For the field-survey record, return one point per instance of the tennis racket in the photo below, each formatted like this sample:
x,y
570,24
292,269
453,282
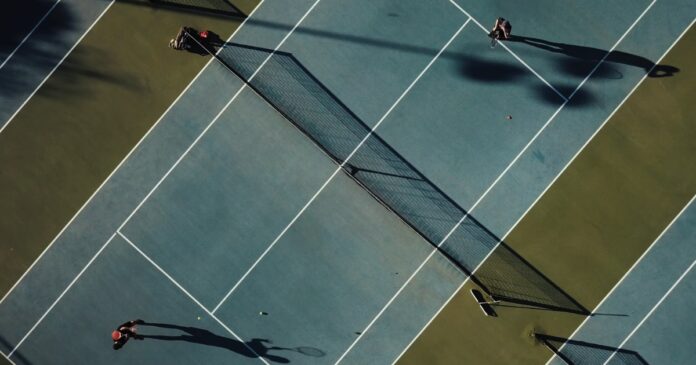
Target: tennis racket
x,y
494,38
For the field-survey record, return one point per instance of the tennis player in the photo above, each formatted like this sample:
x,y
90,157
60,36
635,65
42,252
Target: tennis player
x,y
124,332
501,29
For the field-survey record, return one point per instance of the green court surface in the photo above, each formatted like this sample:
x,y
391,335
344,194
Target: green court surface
x,y
329,184
590,226
83,121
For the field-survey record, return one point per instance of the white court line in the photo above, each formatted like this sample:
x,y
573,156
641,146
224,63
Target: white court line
x,y
651,311
222,111
485,193
61,296
125,159
191,296
512,53
29,35
2,128
560,349
545,190
121,226
341,166
7,358
169,171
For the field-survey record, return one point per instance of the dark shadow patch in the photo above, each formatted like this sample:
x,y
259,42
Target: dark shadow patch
x,y
41,48
255,348
77,72
575,352
17,355
581,98
579,58
392,180
219,8
481,70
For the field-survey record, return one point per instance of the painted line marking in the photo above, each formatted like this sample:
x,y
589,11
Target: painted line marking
x,y
123,160
61,295
341,166
635,264
2,128
546,189
512,53
29,34
651,311
7,358
190,296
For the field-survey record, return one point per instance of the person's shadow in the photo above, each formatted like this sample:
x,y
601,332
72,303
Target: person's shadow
x,y
255,348
589,56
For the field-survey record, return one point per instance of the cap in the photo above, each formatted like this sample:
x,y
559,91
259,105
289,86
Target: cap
x,y
116,335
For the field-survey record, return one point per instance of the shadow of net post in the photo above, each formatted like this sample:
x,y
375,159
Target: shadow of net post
x,y
224,8
575,352
306,103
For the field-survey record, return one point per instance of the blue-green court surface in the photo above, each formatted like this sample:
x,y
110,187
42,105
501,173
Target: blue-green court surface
x,y
227,212
647,317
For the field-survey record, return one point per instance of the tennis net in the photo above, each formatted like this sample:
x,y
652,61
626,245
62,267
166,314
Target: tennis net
x,y
221,7
311,107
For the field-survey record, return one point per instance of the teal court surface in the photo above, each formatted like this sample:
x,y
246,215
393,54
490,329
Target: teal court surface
x,y
287,207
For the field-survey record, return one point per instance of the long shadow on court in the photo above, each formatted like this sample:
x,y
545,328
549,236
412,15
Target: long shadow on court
x,y
219,8
311,107
577,63
580,352
581,59
254,348
41,48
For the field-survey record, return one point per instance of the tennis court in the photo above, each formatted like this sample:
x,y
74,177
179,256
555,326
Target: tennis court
x,y
330,184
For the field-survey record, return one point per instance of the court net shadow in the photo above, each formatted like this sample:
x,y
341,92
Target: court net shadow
x,y
311,107
255,348
219,8
580,352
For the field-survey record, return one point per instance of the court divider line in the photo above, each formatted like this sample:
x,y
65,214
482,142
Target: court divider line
x,y
169,171
29,34
191,296
625,275
2,128
591,72
651,311
511,52
341,166
544,191
108,178
7,358
61,295
485,193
